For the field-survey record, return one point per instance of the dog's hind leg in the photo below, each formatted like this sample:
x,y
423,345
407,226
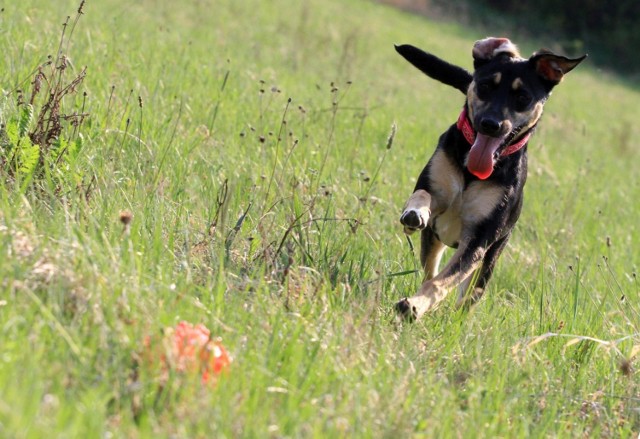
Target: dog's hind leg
x,y
464,262
469,297
431,250
465,286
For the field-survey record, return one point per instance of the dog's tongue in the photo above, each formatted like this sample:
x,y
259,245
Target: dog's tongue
x,y
480,161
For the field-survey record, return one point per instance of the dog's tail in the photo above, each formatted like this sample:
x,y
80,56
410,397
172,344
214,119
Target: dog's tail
x,y
436,68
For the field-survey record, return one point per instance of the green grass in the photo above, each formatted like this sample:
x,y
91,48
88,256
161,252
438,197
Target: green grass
x,y
265,205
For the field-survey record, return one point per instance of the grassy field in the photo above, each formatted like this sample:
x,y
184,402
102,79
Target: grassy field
x,y
248,144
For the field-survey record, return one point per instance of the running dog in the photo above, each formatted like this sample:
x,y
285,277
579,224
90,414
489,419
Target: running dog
x,y
469,195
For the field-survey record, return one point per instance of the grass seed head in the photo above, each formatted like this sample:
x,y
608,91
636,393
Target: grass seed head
x,y
626,368
392,135
126,217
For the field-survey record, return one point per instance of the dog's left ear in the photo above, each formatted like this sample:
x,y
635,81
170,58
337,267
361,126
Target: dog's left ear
x,y
489,48
552,67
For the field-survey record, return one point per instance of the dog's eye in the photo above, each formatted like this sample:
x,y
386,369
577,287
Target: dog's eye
x,y
483,89
522,101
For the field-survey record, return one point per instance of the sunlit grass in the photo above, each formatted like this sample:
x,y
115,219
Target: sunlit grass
x,y
248,141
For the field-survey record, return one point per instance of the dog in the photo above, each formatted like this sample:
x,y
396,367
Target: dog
x,y
469,195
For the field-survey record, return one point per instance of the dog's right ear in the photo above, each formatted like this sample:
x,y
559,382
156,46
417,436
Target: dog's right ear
x,y
436,68
552,67
491,47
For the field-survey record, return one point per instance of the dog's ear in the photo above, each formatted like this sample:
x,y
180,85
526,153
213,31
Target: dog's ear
x,y
490,48
436,68
552,67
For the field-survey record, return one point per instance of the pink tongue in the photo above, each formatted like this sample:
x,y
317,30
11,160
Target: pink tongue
x,y
480,161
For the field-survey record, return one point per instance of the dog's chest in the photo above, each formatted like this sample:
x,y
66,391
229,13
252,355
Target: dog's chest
x,y
447,224
459,208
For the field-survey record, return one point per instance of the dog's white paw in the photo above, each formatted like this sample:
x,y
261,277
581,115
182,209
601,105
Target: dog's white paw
x,y
413,220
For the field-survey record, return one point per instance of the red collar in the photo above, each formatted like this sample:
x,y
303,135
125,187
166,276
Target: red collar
x,y
470,135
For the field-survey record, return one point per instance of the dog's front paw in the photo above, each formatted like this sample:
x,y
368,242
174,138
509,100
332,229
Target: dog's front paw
x,y
406,311
413,220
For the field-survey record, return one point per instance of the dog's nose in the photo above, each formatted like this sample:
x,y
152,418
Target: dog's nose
x,y
490,126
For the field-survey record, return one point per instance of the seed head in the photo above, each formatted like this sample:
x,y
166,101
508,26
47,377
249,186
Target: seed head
x,y
392,135
126,217
626,368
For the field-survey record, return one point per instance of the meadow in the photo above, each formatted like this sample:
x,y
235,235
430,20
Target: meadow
x,y
243,165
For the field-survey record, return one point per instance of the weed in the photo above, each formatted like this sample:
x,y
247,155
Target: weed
x,y
43,135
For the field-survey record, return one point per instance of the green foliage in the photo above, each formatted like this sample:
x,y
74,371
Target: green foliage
x,y
23,159
41,141
26,116
18,151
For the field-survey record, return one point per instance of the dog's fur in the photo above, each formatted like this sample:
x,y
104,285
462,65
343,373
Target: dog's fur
x,y
469,197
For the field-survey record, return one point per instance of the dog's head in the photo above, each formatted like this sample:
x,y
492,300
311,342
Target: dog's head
x,y
505,93
506,96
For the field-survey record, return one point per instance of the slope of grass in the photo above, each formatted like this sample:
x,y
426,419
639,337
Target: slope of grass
x,y
249,141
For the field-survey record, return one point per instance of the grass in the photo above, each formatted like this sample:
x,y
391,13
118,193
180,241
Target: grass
x,y
248,142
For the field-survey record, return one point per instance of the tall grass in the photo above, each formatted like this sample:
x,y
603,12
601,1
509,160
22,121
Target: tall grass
x,y
238,174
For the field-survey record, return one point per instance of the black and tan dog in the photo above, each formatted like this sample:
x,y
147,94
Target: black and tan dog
x,y
469,195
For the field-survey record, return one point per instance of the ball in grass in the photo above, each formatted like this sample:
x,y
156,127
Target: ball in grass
x,y
189,349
